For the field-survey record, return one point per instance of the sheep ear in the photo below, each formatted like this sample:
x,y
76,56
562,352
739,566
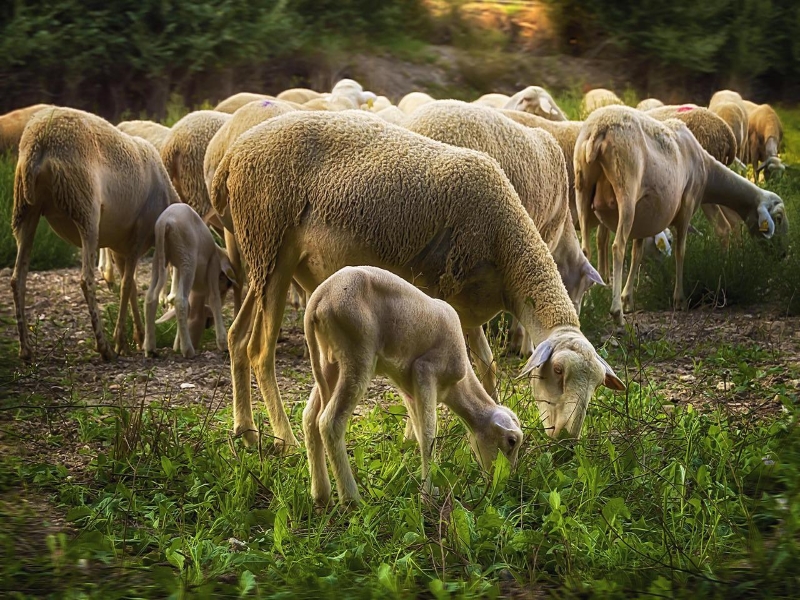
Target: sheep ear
x,y
592,275
545,105
538,358
611,381
765,223
170,314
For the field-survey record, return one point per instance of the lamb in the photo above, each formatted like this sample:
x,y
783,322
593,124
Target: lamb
x,y
649,103
410,102
233,103
155,133
97,187
12,125
298,95
536,100
362,191
597,98
639,175
493,100
202,274
536,167
363,320
765,134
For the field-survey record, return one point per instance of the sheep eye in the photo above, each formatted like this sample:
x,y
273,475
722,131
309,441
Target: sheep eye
x,y
512,442
558,369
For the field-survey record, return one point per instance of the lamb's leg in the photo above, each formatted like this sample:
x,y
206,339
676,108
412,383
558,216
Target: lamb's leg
x,y
636,262
423,409
238,268
350,388
263,342
88,262
24,234
603,236
215,303
157,283
481,354
315,450
238,339
185,281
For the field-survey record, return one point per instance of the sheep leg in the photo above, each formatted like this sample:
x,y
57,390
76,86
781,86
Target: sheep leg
x,y
215,303
185,279
603,236
636,262
315,450
263,342
173,287
157,284
138,327
106,266
348,392
235,258
24,234
127,288
521,342
238,339
681,231
618,250
423,416
481,354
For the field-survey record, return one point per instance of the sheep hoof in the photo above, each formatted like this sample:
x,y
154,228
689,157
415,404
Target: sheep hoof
x,y
347,505
249,435
150,354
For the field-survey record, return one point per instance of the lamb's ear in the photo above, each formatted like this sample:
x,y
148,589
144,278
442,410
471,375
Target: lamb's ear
x,y
765,223
611,381
538,358
170,314
591,274
545,105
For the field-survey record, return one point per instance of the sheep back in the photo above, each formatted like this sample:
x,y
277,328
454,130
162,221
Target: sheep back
x,y
233,103
12,125
155,133
715,135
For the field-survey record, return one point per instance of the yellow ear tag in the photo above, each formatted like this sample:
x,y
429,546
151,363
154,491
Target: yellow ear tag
x,y
764,226
660,244
370,103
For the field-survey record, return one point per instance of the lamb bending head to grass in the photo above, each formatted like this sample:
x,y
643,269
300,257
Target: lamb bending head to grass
x,y
363,321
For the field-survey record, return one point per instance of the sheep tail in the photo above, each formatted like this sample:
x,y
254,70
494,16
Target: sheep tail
x,y
160,256
594,145
29,167
219,186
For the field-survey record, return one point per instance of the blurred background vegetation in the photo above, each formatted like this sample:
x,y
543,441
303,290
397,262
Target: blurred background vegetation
x,y
133,55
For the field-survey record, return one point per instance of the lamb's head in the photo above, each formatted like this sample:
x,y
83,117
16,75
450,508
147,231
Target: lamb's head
x,y
500,431
537,101
566,370
769,217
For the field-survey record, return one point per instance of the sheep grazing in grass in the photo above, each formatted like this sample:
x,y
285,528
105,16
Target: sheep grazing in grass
x,y
597,98
535,165
344,189
155,133
412,101
765,134
299,95
97,187
12,125
201,276
639,176
493,100
735,116
183,153
535,100
649,103
363,321
233,103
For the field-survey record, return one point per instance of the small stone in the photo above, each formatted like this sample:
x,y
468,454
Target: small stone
x,y
687,377
187,386
725,386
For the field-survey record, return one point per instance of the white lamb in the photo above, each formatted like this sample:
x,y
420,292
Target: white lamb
x,y
202,273
535,100
363,321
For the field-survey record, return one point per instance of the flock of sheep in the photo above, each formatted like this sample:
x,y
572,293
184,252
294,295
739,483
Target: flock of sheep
x,y
477,204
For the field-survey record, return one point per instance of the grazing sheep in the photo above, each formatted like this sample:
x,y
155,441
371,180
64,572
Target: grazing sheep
x,y
765,134
493,100
184,152
725,96
201,275
97,187
363,321
535,100
734,114
639,176
533,162
649,103
233,103
410,102
597,98
12,125
347,189
155,133
299,95
714,134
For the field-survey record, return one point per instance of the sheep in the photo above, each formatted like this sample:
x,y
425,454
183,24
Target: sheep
x,y
392,115
725,96
97,187
352,90
155,133
714,134
380,103
597,98
410,102
649,103
493,100
202,271
734,114
363,321
331,103
348,188
298,95
765,134
536,167
639,175
534,99
12,125
233,103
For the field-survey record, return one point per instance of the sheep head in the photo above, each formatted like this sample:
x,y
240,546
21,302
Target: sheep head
x,y
769,217
500,431
537,101
566,370
773,168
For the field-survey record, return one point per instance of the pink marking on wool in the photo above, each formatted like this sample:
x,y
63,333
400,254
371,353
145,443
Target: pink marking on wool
x,y
685,108
266,103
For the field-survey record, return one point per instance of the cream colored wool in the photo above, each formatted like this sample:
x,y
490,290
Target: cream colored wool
x,y
97,187
298,95
413,100
765,134
597,98
649,103
734,114
536,100
493,100
393,115
155,133
12,124
715,135
233,103
311,193
183,153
